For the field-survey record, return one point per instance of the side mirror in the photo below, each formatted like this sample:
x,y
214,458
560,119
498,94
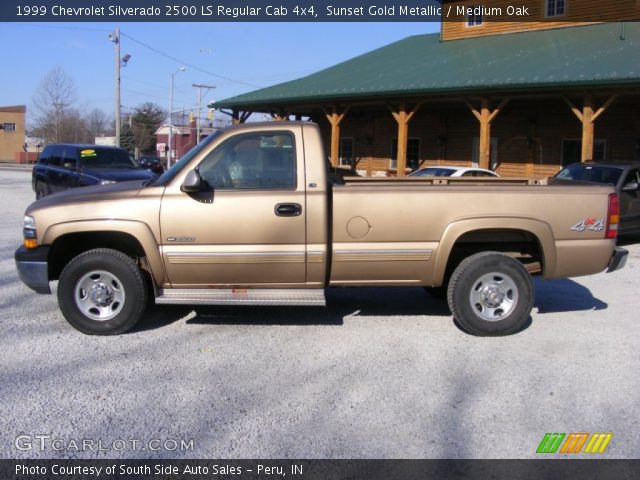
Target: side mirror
x,y
192,182
629,187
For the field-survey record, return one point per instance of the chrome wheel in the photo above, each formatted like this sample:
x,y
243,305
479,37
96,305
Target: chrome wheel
x,y
99,295
493,296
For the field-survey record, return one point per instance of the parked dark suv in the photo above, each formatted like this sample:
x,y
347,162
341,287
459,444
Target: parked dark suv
x,y
64,166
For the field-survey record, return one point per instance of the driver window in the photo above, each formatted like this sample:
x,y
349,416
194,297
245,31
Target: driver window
x,y
254,160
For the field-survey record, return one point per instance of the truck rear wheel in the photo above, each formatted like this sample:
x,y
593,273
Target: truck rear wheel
x,y
491,294
102,292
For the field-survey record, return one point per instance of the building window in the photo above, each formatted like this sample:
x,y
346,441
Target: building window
x,y
346,151
9,127
474,17
413,153
572,150
555,8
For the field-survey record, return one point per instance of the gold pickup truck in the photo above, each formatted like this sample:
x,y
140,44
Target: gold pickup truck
x,y
251,217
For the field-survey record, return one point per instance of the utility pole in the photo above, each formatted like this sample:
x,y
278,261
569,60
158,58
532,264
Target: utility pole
x,y
200,86
181,69
115,38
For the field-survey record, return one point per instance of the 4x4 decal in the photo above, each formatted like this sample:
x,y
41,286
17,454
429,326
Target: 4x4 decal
x,y
589,224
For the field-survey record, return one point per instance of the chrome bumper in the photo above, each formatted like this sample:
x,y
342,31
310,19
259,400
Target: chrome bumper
x,y
618,259
32,268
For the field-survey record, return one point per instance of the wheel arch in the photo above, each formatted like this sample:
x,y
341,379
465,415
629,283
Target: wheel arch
x,y
135,239
495,233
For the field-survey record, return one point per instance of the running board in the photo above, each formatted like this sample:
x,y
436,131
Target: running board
x,y
242,296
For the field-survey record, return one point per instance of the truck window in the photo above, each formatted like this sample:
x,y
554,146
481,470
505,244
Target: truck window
x,y
262,160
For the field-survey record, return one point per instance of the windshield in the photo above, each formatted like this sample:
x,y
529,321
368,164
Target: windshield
x,y
604,174
169,174
106,158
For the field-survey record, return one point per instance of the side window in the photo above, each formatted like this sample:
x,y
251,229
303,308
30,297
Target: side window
x,y
44,156
69,158
55,159
254,160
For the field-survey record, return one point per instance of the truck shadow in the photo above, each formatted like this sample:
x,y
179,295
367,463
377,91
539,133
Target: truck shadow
x,y
341,303
552,296
564,295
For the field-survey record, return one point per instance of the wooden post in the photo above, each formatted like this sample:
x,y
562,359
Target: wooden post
x,y
238,117
588,117
335,119
403,118
587,129
485,116
484,159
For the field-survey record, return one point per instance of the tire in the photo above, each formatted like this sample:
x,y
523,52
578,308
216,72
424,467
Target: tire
x,y
102,292
41,190
491,294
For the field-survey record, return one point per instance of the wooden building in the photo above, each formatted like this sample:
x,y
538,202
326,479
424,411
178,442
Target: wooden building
x,y
521,98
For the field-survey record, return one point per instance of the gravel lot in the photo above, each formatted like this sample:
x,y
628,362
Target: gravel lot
x,y
380,373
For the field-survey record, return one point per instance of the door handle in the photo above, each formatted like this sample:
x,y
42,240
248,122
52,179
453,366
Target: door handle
x,y
288,209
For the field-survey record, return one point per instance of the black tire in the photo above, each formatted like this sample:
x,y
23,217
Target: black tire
x,y
41,190
491,294
102,292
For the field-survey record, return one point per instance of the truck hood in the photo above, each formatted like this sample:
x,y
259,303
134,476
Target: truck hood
x,y
94,193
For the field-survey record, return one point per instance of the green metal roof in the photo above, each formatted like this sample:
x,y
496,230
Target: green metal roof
x,y
562,57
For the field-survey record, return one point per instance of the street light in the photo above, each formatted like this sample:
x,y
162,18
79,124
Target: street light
x,y
115,38
169,153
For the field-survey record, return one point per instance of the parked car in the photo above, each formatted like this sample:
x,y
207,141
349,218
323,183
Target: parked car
x,y
64,166
151,163
625,176
446,171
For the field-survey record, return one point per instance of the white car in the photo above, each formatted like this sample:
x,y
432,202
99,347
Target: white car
x,y
444,171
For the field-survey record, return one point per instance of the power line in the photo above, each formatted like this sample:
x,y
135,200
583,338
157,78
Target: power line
x,y
159,52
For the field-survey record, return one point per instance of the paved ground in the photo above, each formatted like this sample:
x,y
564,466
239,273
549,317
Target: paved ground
x,y
381,373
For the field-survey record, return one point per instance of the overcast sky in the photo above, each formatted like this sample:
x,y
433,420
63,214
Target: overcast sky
x,y
235,57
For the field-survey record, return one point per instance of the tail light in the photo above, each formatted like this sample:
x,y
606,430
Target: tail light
x,y
613,216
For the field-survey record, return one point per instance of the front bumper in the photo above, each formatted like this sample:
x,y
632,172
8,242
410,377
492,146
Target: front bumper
x,y
32,268
618,259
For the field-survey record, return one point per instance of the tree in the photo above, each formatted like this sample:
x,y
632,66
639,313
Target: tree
x,y
53,101
145,120
97,124
127,140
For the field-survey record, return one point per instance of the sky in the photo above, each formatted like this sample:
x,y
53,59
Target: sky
x,y
234,57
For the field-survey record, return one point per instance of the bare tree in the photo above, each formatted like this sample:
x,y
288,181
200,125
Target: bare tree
x,y
54,98
97,124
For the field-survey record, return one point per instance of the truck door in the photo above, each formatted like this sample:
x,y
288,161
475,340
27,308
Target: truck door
x,y
248,229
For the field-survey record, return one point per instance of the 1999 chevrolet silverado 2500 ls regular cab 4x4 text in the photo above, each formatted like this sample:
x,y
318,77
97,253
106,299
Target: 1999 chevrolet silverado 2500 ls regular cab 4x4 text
x,y
250,217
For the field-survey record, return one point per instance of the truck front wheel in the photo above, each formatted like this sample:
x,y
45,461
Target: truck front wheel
x,y
102,292
491,294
